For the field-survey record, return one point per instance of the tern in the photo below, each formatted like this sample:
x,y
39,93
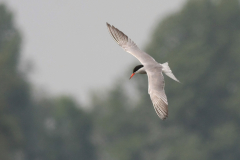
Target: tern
x,y
150,67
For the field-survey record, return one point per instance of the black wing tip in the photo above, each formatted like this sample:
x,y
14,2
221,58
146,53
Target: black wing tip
x,y
164,118
109,25
112,27
117,35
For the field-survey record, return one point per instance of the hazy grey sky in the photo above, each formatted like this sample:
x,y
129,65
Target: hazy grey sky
x,y
70,47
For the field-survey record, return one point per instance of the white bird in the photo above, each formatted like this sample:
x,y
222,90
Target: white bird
x,y
150,67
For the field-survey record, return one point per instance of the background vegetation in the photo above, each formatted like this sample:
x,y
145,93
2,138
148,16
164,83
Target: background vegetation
x,y
201,43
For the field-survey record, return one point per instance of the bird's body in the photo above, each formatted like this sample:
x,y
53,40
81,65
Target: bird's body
x,y
150,67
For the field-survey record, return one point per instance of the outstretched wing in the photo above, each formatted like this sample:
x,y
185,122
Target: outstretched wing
x,y
129,46
157,94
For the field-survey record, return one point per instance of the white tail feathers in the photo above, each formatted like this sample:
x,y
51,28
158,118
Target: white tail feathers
x,y
166,69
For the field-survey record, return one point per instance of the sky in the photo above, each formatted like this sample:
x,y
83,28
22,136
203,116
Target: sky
x,y
68,44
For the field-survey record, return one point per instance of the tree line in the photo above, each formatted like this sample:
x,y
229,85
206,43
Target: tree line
x,y
201,44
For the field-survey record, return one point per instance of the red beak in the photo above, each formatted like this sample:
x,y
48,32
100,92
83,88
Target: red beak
x,y
132,75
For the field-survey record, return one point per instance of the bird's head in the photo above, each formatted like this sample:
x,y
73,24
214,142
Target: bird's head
x,y
138,69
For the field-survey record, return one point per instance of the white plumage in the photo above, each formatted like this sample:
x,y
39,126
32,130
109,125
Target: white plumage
x,y
149,66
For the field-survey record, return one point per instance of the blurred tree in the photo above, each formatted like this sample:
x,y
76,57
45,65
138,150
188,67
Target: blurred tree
x,y
49,129
65,130
118,133
201,43
14,90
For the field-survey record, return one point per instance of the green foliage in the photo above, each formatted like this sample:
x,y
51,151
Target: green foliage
x,y
14,93
201,44
49,129
117,132
65,130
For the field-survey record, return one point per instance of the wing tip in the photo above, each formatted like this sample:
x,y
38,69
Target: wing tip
x,y
161,114
110,27
117,35
164,117
160,107
108,24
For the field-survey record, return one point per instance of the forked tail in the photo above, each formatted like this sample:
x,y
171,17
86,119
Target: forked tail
x,y
166,69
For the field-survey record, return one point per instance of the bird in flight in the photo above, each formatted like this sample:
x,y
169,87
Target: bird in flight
x,y
150,67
